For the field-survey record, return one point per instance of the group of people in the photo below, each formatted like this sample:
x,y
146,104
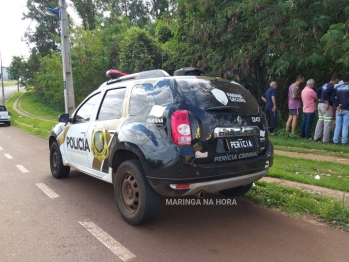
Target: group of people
x,y
333,106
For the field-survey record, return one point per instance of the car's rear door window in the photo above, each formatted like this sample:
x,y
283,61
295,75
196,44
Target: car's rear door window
x,y
111,107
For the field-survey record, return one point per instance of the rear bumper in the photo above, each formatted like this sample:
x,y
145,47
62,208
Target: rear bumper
x,y
218,185
166,188
212,178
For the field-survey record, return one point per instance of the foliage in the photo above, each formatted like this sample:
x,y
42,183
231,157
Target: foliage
x,y
162,32
49,81
139,51
16,68
46,34
256,41
252,41
298,203
89,62
33,126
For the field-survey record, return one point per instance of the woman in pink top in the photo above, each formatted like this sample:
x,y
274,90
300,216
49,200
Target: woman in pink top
x,y
294,103
309,99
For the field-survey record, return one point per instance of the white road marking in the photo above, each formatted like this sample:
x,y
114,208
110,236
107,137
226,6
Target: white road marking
x,y
8,156
48,191
22,168
1,148
122,252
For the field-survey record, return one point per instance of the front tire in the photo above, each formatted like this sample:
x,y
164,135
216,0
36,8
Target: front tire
x,y
136,200
58,170
236,191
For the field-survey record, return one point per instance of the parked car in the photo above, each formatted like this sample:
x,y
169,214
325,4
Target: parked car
x,y
5,116
151,134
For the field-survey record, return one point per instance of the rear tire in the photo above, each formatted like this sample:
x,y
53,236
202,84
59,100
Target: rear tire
x,y
8,124
58,170
136,200
236,191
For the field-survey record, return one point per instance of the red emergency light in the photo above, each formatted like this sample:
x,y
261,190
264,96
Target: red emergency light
x,y
114,73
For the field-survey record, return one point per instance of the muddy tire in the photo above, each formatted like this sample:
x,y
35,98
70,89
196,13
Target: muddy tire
x,y
58,170
136,200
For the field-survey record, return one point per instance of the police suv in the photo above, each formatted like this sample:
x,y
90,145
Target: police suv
x,y
151,134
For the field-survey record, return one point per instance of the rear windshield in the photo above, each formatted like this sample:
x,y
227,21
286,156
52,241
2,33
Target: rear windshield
x,y
2,108
207,94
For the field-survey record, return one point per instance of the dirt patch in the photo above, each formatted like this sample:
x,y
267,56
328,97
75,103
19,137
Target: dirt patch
x,y
332,159
310,188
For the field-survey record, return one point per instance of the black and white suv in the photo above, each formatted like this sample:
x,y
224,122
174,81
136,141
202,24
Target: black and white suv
x,y
5,116
151,134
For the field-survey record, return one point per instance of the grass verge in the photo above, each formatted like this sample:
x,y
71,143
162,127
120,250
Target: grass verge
x,y
332,175
30,104
312,151
12,83
308,144
297,203
33,126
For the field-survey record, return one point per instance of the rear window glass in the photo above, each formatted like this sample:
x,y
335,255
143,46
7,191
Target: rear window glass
x,y
157,92
209,94
2,108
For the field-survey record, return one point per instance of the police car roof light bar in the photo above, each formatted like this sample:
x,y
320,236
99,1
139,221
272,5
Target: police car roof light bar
x,y
114,73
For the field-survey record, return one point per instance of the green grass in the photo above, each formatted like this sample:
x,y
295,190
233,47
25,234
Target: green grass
x,y
33,126
12,83
312,151
308,144
300,204
332,175
30,104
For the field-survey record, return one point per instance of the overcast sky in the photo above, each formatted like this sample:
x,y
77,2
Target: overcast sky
x,y
12,29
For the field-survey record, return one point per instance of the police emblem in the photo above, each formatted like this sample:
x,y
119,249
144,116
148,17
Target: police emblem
x,y
99,145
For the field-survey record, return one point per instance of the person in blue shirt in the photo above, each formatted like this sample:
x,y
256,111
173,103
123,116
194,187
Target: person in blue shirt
x,y
270,107
340,98
325,110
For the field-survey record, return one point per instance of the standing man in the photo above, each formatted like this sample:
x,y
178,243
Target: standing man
x,y
270,99
294,103
340,98
309,99
323,125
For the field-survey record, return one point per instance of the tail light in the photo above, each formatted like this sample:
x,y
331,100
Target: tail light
x,y
266,125
9,113
180,126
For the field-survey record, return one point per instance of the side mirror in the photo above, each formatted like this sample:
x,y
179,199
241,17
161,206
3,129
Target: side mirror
x,y
63,118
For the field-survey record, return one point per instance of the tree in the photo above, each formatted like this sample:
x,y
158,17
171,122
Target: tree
x,y
139,51
256,41
88,11
46,36
16,69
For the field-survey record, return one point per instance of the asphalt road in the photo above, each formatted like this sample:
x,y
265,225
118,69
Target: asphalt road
x,y
8,90
82,223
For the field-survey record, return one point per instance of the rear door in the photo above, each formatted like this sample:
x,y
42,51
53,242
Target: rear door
x,y
100,133
225,120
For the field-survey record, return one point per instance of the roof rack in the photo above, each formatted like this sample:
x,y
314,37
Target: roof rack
x,y
140,75
189,71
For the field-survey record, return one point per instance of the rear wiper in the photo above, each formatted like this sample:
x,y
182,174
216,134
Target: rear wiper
x,y
224,108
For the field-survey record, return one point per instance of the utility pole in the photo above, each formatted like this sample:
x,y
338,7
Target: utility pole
x,y
69,99
2,82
